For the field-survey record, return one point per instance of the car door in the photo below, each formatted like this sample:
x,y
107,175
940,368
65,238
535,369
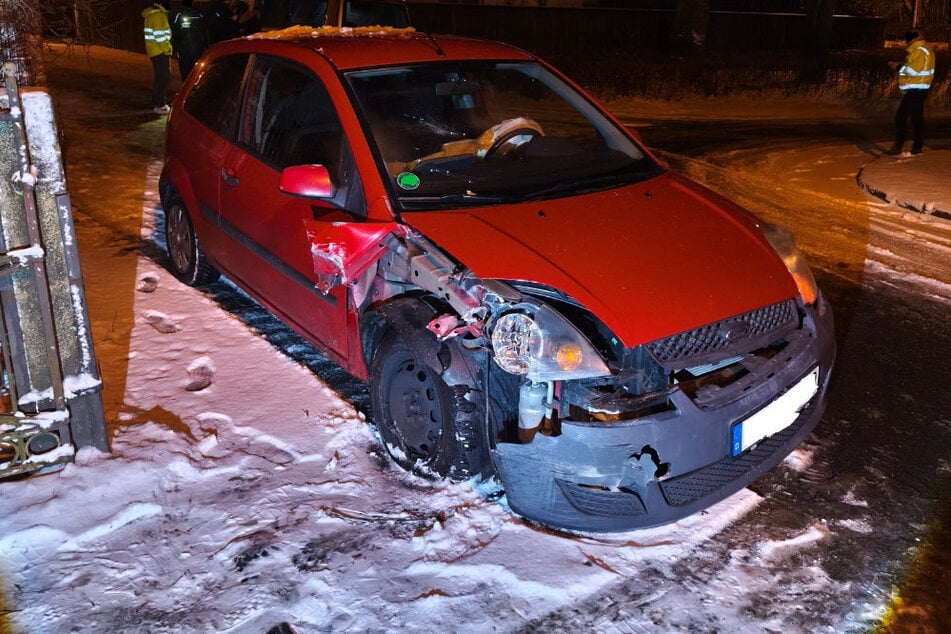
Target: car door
x,y
202,139
287,119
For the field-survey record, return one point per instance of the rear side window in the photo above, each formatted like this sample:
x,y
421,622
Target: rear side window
x,y
214,98
289,118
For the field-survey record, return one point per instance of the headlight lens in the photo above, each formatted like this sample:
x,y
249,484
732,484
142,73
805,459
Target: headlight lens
x,y
540,344
515,338
784,244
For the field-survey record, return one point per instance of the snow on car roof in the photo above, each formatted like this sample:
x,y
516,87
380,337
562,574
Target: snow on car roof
x,y
366,46
299,31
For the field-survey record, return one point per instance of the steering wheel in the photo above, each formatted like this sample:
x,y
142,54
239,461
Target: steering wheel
x,y
512,140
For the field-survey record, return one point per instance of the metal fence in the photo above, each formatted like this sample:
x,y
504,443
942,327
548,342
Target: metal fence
x,y
561,31
554,31
112,24
50,389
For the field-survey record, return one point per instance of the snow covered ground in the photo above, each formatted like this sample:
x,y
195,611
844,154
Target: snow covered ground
x,y
243,492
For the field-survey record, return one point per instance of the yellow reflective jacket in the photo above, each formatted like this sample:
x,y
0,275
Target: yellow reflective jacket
x,y
918,69
158,34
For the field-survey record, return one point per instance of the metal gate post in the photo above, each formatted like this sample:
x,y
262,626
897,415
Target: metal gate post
x,y
49,368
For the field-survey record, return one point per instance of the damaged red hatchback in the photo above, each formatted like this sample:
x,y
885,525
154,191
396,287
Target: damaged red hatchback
x,y
530,294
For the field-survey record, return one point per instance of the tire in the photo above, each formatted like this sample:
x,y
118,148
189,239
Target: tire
x,y
427,426
186,260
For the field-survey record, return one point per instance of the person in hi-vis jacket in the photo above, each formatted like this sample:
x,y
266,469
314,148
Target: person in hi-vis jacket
x,y
914,81
158,46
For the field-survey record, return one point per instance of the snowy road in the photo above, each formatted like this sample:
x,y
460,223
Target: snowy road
x,y
883,446
245,490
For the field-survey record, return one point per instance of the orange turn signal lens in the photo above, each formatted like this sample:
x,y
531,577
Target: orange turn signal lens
x,y
568,356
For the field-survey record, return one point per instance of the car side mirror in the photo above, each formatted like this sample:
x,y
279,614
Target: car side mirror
x,y
309,181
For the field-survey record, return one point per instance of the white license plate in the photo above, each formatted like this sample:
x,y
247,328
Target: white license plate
x,y
776,416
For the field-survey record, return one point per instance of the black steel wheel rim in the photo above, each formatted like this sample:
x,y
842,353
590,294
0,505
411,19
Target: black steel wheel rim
x,y
414,410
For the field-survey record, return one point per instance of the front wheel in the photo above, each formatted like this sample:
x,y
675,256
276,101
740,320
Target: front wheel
x,y
427,426
186,259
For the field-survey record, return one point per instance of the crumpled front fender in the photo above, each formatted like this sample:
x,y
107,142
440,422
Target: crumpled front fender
x,y
342,251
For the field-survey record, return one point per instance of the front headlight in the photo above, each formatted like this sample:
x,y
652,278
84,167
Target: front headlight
x,y
784,244
540,344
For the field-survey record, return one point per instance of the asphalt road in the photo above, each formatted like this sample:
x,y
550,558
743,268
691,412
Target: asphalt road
x,y
698,137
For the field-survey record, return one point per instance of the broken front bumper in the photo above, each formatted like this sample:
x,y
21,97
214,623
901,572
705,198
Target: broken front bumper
x,y
621,475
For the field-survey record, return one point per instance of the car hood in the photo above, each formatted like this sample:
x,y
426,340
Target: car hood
x,y
650,260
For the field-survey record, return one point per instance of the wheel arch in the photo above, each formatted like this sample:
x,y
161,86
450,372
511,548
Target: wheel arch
x,y
407,315
196,269
460,367
174,181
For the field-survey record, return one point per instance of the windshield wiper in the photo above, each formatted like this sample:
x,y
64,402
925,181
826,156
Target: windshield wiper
x,y
594,183
468,199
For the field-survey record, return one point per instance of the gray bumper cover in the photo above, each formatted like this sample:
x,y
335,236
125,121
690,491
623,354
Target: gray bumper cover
x,y
601,477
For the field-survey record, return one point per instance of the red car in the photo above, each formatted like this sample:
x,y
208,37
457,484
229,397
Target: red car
x,y
531,296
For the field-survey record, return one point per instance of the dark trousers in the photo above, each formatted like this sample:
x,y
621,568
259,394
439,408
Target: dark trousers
x,y
186,62
160,77
912,107
188,54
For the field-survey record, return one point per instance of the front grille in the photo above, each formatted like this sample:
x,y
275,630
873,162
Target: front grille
x,y
604,502
737,335
692,486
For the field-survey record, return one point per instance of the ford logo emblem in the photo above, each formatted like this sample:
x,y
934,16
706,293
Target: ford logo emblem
x,y
735,331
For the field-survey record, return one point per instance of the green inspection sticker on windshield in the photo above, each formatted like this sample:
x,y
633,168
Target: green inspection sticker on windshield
x,y
407,180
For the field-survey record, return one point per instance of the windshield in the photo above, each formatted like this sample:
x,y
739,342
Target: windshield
x,y
483,132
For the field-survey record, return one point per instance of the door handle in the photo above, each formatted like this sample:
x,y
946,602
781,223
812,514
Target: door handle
x,y
229,177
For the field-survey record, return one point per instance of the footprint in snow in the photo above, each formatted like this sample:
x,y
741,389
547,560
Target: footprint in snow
x,y
147,284
161,322
201,371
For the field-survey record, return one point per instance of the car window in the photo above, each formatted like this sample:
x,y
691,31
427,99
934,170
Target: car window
x,y
289,118
213,99
482,132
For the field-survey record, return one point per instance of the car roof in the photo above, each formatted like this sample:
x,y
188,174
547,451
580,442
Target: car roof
x,y
367,47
